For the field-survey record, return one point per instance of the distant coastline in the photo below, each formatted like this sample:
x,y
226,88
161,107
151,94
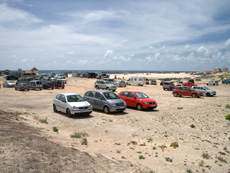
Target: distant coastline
x,y
110,71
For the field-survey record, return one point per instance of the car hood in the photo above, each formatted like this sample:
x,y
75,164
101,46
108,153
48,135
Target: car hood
x,y
79,104
114,101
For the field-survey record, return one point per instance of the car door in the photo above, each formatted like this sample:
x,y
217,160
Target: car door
x,y
124,96
186,91
89,97
99,101
62,103
132,99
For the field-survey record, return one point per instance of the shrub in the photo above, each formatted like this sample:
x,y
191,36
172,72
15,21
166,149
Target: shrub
x,y
174,145
141,157
206,156
79,135
192,126
227,117
180,108
55,129
168,159
43,121
227,106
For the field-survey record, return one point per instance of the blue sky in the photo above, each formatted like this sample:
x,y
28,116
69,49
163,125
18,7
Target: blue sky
x,y
192,35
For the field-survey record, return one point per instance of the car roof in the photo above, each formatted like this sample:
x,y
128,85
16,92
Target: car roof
x,y
66,94
132,91
101,91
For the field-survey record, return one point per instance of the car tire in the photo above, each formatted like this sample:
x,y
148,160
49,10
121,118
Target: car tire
x,y
68,113
139,107
194,96
97,87
175,94
54,108
107,88
106,110
208,94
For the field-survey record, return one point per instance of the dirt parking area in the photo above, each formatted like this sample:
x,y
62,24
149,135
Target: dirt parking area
x,y
181,134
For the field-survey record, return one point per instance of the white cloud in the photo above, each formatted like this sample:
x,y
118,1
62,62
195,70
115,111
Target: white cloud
x,y
227,43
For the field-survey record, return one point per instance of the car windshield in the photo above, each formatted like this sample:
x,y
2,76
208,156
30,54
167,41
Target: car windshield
x,y
110,95
141,95
107,82
10,81
75,98
206,88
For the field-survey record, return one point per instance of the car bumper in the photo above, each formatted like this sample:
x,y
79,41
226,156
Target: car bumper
x,y
79,111
117,109
150,106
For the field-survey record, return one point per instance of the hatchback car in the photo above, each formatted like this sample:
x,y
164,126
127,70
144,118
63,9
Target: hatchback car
x,y
137,99
71,103
168,86
8,83
22,87
35,84
212,82
186,91
153,82
105,100
204,90
47,84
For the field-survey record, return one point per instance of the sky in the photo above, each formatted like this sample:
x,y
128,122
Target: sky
x,y
156,35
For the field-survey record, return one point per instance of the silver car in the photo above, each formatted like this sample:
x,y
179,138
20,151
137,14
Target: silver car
x,y
204,90
105,100
8,83
100,84
71,103
120,83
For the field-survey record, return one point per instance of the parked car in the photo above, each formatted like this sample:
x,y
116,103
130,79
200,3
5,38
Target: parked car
x,y
8,83
82,75
226,81
71,103
58,84
92,75
24,80
205,90
212,82
137,99
11,77
186,91
146,81
153,82
22,87
168,85
109,80
46,84
189,84
102,75
100,84
35,84
120,83
105,100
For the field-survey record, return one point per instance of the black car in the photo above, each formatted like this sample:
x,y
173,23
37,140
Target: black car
x,y
92,75
11,77
47,84
226,81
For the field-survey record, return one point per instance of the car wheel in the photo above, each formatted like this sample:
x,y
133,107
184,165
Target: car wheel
x,y
15,88
107,88
175,94
106,110
194,96
54,108
208,94
68,113
139,107
97,87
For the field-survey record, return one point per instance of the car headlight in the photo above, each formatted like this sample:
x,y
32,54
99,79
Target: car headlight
x,y
75,107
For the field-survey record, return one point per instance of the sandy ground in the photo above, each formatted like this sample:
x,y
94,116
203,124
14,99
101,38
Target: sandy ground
x,y
133,141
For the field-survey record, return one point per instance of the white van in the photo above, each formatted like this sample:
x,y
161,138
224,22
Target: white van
x,y
136,80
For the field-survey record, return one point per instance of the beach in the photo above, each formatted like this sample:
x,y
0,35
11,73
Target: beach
x,y
181,134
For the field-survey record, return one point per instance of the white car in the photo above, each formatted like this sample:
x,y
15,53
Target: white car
x,y
71,103
9,83
204,90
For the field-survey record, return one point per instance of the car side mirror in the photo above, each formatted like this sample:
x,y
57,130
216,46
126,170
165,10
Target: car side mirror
x,y
134,97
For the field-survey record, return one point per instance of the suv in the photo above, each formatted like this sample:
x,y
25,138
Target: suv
x,y
186,91
100,84
105,100
35,84
46,84
11,77
109,80
168,85
212,82
92,75
226,81
205,90
102,75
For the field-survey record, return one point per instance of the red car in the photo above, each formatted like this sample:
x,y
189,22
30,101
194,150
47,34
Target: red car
x,y
190,84
185,91
137,99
